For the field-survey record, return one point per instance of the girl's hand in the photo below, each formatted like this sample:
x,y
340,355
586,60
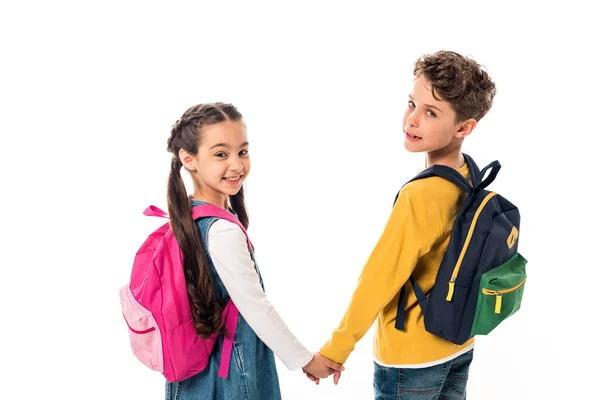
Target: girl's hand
x,y
322,367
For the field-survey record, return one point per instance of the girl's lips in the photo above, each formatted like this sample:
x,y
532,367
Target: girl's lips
x,y
234,183
412,139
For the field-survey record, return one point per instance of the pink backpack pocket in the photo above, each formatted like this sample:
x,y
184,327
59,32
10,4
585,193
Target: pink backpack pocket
x,y
144,334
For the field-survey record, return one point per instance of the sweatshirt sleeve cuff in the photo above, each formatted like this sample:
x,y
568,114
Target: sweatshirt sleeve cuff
x,y
330,352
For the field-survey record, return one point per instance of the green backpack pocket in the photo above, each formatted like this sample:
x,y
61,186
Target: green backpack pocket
x,y
500,293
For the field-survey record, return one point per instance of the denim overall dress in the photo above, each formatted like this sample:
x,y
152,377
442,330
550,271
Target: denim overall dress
x,y
252,371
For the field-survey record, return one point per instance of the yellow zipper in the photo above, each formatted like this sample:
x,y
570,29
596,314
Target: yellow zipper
x,y
499,293
464,249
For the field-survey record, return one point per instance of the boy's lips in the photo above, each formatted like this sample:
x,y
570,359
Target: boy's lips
x,y
411,137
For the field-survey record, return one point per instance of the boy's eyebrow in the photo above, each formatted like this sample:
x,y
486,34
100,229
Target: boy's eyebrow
x,y
432,106
227,146
427,105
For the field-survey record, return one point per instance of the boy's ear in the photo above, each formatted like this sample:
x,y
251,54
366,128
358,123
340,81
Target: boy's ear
x,y
465,128
188,161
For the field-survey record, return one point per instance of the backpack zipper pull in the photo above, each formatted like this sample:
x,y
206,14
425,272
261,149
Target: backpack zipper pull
x,y
498,302
450,289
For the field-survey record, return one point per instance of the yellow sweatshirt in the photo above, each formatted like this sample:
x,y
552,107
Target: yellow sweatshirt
x,y
413,242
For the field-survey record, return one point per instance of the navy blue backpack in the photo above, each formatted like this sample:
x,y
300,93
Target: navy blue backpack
x,y
481,279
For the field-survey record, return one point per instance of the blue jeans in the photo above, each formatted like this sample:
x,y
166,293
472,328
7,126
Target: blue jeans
x,y
446,381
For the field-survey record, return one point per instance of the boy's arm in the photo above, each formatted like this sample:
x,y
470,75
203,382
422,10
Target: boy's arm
x,y
412,229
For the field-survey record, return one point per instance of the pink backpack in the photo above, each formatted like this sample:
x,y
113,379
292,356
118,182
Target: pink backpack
x,y
157,310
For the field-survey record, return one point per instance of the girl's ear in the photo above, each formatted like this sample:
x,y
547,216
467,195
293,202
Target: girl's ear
x,y
188,160
465,128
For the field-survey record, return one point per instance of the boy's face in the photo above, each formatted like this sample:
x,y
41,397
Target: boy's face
x,y
429,124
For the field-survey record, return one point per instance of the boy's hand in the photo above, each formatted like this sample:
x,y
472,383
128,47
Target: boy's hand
x,y
321,367
336,376
312,378
337,372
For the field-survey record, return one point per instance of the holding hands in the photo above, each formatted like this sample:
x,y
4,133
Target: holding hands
x,y
321,367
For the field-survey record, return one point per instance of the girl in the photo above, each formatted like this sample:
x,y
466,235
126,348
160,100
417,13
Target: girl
x,y
210,142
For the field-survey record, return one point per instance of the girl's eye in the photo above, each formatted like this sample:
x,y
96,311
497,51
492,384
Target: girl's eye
x,y
411,104
221,155
431,113
244,153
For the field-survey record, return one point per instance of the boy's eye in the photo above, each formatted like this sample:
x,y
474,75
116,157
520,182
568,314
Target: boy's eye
x,y
221,155
243,152
431,113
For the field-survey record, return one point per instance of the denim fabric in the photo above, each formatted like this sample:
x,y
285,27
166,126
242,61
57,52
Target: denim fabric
x,y
447,381
252,371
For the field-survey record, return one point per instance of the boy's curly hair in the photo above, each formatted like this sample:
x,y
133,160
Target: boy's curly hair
x,y
460,81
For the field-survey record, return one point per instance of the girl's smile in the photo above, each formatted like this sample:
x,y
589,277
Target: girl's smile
x,y
234,180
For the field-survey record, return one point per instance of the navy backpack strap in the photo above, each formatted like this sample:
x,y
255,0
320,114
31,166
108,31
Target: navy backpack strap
x,y
445,172
400,312
448,173
420,295
495,168
454,176
474,172
421,298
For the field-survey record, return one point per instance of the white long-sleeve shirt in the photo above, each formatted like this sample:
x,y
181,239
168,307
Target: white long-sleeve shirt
x,y
229,252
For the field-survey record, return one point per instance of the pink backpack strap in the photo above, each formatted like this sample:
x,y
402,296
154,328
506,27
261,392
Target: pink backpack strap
x,y
153,211
231,321
231,312
203,210
208,210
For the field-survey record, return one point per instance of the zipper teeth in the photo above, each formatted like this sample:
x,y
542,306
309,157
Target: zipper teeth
x,y
469,235
494,292
136,331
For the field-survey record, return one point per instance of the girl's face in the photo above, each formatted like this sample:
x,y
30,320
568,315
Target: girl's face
x,y
222,163
429,124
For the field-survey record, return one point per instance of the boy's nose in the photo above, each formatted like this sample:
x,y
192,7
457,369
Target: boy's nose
x,y
412,119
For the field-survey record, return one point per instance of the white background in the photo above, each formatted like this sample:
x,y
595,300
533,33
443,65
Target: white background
x,y
88,94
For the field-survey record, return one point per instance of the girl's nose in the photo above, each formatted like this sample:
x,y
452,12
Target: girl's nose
x,y
236,165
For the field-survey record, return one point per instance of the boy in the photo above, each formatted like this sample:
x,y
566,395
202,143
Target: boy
x,y
450,94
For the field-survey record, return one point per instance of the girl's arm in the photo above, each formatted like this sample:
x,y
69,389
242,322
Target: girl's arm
x,y
229,252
